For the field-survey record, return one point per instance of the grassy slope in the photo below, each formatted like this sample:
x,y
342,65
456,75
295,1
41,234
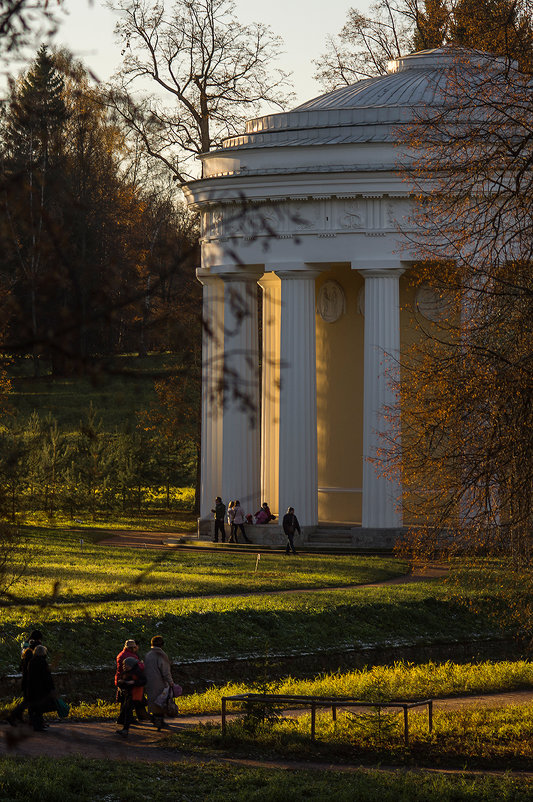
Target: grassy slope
x,y
403,681
106,595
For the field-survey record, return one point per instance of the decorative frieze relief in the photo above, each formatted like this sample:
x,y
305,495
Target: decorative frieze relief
x,y
370,214
331,301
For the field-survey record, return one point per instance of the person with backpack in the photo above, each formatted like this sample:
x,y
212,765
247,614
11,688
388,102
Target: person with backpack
x,y
131,649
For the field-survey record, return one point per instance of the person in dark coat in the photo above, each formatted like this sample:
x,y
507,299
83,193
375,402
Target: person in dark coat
x,y
131,684
40,688
290,526
220,514
26,653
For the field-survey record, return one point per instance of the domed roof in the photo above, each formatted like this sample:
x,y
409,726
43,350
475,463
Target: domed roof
x,y
367,111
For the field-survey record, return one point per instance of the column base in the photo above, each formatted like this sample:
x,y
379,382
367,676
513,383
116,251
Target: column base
x,y
206,528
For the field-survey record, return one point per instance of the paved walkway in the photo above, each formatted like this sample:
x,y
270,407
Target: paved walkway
x,y
97,739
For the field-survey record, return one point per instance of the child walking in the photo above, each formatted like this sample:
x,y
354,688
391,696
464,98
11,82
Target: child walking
x,y
130,685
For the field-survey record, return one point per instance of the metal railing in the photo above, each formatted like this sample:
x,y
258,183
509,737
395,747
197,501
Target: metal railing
x,y
317,702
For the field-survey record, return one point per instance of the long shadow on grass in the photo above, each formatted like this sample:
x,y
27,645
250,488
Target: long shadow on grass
x,y
233,633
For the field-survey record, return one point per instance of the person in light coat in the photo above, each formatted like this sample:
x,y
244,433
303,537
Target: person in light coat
x,y
157,669
238,522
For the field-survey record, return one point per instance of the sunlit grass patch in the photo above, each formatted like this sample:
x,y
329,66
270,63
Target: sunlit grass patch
x,y
497,738
403,681
87,571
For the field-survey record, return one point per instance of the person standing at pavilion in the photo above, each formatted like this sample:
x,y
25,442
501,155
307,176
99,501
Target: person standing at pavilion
x,y
220,514
238,522
290,526
231,515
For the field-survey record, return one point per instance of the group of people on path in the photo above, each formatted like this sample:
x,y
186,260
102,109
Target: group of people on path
x,y
236,519
140,684
136,677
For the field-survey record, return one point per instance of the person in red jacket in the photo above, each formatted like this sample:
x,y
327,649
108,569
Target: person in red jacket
x,y
131,649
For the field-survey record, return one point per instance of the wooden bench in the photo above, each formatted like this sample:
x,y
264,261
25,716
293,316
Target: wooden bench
x,y
316,702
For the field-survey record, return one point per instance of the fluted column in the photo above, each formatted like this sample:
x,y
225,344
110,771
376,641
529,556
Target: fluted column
x,y
381,496
270,388
298,471
212,390
241,414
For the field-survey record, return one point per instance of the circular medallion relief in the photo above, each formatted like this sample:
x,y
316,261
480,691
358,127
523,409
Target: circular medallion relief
x,y
331,302
430,304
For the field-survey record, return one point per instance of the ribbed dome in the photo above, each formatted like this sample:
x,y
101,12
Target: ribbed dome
x,y
367,111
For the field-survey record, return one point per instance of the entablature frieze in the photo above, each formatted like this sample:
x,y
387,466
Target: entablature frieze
x,y
370,214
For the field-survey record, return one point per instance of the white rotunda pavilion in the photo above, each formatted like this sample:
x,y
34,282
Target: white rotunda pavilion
x,y
306,208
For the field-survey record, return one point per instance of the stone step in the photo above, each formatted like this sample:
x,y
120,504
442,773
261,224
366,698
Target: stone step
x,y
339,540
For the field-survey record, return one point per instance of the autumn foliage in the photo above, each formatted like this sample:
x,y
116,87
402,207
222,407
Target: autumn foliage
x,y
466,387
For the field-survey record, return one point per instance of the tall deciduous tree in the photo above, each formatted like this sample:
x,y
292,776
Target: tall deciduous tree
x,y
393,28
466,388
214,71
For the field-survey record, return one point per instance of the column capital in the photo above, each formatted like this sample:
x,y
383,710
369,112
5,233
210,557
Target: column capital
x,y
267,279
248,274
381,272
205,277
300,274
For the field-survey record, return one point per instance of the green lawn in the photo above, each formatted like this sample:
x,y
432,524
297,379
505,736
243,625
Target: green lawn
x,y
81,780
123,386
92,572
215,604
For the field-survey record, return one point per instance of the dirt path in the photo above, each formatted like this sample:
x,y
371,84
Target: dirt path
x,y
98,740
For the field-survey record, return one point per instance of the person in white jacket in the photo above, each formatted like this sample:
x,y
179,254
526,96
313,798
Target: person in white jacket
x,y
238,522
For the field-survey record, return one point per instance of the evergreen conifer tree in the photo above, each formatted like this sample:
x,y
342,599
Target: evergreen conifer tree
x,y
37,113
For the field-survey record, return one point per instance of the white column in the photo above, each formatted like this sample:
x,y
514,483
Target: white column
x,y
270,386
212,390
298,471
381,496
241,414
